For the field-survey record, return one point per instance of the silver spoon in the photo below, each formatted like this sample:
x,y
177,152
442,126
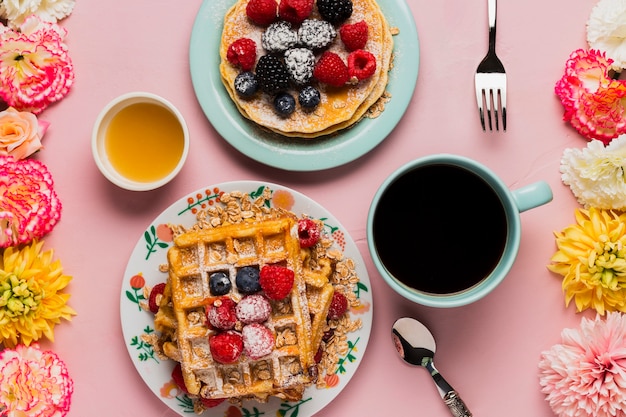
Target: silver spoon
x,y
416,346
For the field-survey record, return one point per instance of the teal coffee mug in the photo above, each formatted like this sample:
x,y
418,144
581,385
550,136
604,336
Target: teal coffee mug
x,y
444,230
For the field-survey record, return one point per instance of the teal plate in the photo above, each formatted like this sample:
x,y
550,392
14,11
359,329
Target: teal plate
x,y
289,153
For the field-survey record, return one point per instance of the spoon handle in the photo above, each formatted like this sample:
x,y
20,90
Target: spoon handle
x,y
450,397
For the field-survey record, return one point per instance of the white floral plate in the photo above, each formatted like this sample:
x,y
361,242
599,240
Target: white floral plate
x,y
143,270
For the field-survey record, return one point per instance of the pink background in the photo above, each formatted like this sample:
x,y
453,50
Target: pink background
x,y
488,351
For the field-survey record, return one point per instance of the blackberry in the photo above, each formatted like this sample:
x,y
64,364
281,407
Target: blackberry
x,y
247,280
309,97
246,84
279,37
300,63
219,283
285,104
272,74
316,34
335,11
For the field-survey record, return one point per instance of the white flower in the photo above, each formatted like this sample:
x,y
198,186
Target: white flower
x,y
606,30
596,174
16,11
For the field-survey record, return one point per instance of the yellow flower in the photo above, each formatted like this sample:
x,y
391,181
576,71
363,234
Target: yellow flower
x,y
31,297
592,260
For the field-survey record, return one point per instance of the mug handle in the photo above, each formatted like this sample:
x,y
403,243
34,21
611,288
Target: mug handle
x,y
532,195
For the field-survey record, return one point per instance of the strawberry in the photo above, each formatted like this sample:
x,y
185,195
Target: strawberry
x,y
330,69
354,35
295,11
276,281
242,53
262,12
177,376
361,64
222,314
338,306
226,347
155,297
308,232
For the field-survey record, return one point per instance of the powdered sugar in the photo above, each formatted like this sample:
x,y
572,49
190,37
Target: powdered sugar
x,y
253,309
258,340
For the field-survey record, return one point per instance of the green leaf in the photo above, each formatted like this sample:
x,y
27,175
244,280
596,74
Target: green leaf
x,y
162,245
131,297
147,236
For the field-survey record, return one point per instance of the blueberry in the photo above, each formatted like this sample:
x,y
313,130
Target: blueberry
x,y
246,84
247,280
309,97
219,283
285,104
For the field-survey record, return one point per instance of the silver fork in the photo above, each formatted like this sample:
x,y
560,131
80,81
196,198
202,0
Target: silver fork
x,y
490,78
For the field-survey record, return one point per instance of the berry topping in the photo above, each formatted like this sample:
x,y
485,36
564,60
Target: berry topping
x,y
335,11
242,53
219,283
279,37
361,64
247,280
338,306
330,69
318,356
211,402
272,74
295,11
308,232
154,300
226,347
300,63
246,84
258,340
316,34
262,12
253,308
276,281
354,36
309,97
222,314
285,104
177,376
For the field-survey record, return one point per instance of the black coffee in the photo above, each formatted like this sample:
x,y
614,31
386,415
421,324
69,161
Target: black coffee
x,y
440,229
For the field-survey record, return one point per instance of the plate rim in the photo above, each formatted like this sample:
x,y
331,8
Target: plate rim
x,y
301,154
147,372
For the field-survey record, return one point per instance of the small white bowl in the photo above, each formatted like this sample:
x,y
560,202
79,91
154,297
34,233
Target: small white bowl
x,y
98,141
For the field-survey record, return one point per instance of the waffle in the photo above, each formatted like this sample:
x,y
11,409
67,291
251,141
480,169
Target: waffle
x,y
339,107
290,367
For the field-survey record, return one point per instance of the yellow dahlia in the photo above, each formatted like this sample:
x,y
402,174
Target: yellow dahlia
x,y
591,257
31,297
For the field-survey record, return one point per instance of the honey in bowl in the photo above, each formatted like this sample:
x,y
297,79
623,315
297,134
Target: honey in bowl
x,y
144,142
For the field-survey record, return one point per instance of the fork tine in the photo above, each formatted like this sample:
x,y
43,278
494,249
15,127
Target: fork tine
x,y
503,104
480,97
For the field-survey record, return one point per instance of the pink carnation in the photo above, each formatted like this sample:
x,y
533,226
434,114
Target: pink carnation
x,y
34,383
35,66
585,375
594,103
29,206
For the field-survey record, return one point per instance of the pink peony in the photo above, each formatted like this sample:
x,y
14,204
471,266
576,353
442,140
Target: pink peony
x,y
585,375
35,66
594,103
29,206
34,383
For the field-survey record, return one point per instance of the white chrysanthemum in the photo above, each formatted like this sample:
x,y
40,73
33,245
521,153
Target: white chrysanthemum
x,y
16,11
606,30
596,174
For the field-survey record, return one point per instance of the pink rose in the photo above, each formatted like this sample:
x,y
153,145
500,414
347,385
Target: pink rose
x,y
20,133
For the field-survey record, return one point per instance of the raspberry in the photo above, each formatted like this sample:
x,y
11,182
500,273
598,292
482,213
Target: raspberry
x,y
253,309
272,74
226,347
262,12
361,64
211,402
154,299
295,11
354,36
242,53
276,281
330,69
258,340
177,376
335,11
222,314
308,232
338,306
